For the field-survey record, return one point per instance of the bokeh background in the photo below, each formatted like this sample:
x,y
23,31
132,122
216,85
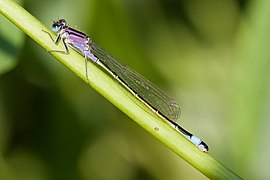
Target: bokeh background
x,y
212,56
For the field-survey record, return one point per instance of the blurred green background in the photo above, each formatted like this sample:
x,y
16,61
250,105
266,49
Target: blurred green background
x,y
212,56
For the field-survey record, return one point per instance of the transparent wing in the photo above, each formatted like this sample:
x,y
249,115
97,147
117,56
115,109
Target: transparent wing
x,y
155,97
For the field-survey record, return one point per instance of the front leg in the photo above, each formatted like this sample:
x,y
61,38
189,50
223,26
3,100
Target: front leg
x,y
66,51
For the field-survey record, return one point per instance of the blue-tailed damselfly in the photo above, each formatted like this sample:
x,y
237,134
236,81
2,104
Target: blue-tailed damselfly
x,y
164,106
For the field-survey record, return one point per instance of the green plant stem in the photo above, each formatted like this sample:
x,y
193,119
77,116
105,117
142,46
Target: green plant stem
x,y
118,96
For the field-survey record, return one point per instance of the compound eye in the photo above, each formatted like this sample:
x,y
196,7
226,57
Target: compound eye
x,y
56,28
62,21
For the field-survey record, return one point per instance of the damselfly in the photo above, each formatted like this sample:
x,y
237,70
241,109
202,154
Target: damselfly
x,y
164,106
